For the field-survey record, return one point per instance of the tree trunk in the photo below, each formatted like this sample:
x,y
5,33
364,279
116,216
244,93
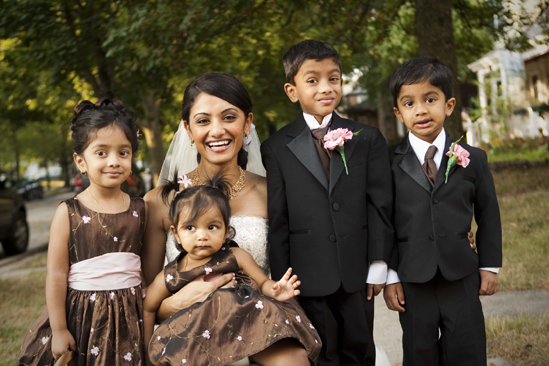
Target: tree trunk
x,y
271,127
64,153
435,35
386,116
17,153
48,178
153,135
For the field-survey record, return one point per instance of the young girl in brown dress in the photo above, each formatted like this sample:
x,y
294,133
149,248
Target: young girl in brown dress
x,y
93,284
232,323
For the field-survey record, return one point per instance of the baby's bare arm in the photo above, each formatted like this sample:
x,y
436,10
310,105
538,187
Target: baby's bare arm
x,y
282,290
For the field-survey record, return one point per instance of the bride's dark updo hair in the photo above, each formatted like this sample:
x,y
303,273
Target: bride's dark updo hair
x,y
89,118
223,86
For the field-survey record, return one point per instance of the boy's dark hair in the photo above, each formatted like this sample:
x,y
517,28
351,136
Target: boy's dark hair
x,y
307,50
419,70
89,118
199,199
223,86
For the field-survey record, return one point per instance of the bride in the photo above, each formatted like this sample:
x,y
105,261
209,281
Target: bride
x,y
215,135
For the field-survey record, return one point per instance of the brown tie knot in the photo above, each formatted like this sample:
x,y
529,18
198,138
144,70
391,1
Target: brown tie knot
x,y
431,151
319,133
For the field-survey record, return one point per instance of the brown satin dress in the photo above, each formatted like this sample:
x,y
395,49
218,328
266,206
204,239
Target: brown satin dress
x,y
106,325
230,324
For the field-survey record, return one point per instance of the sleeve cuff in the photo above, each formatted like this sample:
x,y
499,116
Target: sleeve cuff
x,y
392,277
490,269
377,273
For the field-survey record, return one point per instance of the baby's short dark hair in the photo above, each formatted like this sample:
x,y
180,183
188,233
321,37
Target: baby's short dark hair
x,y
196,200
307,50
419,70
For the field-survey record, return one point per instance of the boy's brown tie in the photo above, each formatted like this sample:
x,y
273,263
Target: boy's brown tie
x,y
429,166
323,154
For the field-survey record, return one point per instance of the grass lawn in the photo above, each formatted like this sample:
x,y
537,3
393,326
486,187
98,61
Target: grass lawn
x,y
525,222
22,300
523,340
521,180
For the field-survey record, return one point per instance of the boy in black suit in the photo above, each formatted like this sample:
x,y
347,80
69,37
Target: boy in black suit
x,y
438,280
332,227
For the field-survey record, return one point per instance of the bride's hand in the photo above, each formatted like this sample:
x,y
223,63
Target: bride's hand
x,y
196,291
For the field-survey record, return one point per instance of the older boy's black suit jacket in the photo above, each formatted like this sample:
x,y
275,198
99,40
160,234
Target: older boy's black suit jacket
x,y
328,230
431,225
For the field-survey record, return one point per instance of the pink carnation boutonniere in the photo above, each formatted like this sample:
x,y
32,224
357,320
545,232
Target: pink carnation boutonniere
x,y
458,155
335,139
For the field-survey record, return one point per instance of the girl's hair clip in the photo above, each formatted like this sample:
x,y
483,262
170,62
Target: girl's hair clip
x,y
185,181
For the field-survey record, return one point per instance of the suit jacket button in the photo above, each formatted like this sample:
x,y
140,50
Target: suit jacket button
x,y
336,206
333,238
435,201
431,237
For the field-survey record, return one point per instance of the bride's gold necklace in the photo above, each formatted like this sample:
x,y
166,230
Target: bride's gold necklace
x,y
232,192
97,203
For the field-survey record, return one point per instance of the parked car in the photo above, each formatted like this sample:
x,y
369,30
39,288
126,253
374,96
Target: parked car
x,y
29,189
14,230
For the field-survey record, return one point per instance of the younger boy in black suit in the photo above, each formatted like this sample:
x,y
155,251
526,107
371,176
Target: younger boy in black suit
x,y
327,224
439,276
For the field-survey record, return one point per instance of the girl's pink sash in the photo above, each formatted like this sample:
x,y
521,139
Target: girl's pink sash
x,y
111,271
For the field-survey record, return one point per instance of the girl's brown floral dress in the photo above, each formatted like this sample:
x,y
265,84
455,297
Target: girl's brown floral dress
x,y
230,324
106,324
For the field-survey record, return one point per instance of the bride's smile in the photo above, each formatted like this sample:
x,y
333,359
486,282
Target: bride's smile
x,y
216,128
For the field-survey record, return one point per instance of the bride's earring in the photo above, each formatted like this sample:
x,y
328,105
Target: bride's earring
x,y
192,140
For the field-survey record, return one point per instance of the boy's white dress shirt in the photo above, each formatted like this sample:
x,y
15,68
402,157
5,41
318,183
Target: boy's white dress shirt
x,y
420,148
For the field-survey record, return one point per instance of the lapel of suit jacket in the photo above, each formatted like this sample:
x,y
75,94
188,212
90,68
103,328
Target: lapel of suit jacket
x,y
441,175
336,162
302,146
410,164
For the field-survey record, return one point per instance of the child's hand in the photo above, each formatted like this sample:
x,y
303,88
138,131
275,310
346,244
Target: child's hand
x,y
471,240
285,289
61,342
373,290
488,283
394,297
144,291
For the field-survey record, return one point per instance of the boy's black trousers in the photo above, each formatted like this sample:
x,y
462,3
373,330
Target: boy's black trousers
x,y
345,323
451,306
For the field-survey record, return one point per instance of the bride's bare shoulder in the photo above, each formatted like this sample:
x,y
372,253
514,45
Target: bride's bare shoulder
x,y
154,198
258,182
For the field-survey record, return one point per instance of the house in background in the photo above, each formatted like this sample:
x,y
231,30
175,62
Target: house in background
x,y
513,91
358,108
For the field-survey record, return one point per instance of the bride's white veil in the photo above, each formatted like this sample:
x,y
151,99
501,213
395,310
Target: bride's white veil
x,y
181,155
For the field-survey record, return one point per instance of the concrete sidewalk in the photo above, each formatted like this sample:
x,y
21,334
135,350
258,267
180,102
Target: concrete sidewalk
x,y
388,334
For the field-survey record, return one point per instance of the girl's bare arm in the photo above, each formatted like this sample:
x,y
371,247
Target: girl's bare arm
x,y
56,281
156,293
153,249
